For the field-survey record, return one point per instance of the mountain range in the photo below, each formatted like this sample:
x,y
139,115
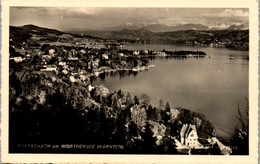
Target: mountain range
x,y
231,35
166,28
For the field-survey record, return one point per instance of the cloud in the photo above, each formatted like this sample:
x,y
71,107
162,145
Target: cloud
x,y
228,13
79,11
65,18
234,12
57,11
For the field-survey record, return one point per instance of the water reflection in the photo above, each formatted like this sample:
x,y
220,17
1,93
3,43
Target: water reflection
x,y
175,57
212,86
120,73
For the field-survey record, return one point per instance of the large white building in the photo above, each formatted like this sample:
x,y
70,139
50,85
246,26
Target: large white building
x,y
189,136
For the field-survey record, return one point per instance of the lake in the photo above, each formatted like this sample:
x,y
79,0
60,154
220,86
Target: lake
x,y
212,86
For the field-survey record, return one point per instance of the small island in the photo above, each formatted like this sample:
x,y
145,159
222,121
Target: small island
x,y
52,100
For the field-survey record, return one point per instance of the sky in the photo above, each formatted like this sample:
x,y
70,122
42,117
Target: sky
x,y
98,18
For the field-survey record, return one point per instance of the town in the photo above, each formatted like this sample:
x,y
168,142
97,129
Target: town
x,y
79,63
51,91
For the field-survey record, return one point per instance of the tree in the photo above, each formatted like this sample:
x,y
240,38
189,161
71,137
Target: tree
x,y
145,99
15,84
148,144
136,100
240,137
45,48
166,115
145,61
215,150
168,145
151,113
167,107
131,134
139,116
161,103
129,99
121,127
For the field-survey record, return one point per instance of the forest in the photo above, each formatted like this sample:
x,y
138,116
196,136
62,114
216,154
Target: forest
x,y
45,110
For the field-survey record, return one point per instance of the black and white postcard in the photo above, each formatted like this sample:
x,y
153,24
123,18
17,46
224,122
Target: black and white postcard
x,y
124,82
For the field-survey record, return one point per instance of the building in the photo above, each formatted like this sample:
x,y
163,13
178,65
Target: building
x,y
225,150
121,54
17,59
62,63
191,143
51,52
49,68
189,136
73,58
105,56
136,53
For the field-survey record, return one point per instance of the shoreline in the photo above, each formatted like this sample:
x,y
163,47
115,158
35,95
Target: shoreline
x,y
134,69
74,66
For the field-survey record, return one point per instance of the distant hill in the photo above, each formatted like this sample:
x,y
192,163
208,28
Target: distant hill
x,y
238,27
32,29
180,36
125,33
207,35
165,28
32,34
232,34
158,28
119,34
152,27
128,26
24,33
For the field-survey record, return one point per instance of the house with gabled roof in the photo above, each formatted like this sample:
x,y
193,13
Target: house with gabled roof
x,y
189,136
192,141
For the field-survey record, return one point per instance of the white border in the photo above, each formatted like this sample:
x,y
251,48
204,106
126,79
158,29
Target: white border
x,y
59,158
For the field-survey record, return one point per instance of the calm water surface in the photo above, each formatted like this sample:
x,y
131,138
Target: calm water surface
x,y
212,86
